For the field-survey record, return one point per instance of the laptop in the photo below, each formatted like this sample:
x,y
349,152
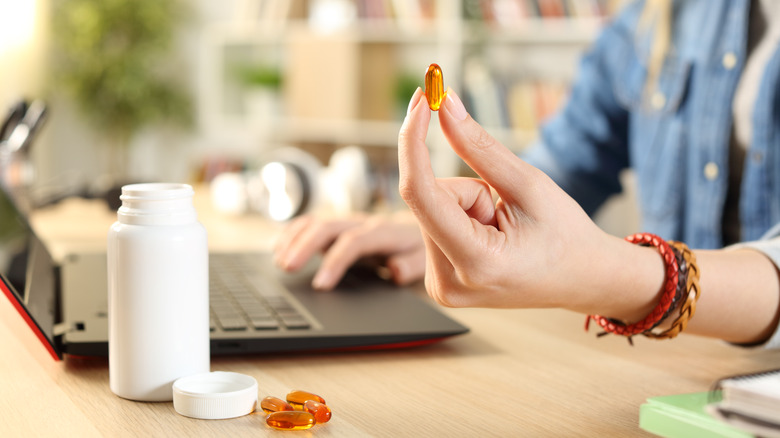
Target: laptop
x,y
254,307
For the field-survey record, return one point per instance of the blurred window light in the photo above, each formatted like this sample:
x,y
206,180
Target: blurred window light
x,y
17,22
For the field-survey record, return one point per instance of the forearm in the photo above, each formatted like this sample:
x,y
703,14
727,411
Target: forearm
x,y
740,296
740,291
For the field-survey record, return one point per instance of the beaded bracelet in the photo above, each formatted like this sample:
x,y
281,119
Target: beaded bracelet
x,y
670,287
693,291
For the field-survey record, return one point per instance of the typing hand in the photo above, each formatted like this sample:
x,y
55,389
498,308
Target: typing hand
x,y
344,241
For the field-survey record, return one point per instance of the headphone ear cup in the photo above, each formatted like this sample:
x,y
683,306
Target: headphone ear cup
x,y
288,184
349,180
293,182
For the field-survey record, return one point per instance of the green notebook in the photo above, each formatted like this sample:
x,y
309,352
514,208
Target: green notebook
x,y
684,415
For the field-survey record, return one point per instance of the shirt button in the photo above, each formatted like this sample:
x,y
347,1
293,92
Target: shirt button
x,y
711,171
729,60
758,157
658,100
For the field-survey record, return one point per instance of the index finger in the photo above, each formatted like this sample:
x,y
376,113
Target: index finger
x,y
491,160
438,213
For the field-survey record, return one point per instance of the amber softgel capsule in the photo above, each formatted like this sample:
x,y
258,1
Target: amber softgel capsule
x,y
321,412
434,87
290,420
274,404
297,398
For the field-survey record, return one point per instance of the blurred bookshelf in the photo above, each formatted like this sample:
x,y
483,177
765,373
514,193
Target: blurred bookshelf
x,y
340,72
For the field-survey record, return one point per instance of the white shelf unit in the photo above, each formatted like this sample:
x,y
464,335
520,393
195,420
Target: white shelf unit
x,y
328,92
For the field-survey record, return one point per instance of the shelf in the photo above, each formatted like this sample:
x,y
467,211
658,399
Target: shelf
x,y
577,31
344,132
363,31
390,31
528,31
373,133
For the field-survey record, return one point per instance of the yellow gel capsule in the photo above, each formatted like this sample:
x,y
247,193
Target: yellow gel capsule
x,y
297,398
434,87
290,420
274,404
320,411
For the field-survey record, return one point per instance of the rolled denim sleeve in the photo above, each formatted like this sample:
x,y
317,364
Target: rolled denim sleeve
x,y
769,245
585,146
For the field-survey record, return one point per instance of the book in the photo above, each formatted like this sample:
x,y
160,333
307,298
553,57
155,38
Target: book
x,y
684,415
749,401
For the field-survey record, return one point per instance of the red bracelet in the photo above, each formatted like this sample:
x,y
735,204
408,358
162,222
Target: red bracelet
x,y
670,287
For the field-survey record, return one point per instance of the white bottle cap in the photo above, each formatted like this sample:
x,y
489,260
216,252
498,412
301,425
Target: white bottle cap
x,y
215,395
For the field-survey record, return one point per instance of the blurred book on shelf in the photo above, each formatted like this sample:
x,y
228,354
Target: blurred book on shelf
x,y
415,15
512,13
519,104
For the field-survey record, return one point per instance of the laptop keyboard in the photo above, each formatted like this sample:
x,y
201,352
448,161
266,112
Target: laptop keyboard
x,y
239,299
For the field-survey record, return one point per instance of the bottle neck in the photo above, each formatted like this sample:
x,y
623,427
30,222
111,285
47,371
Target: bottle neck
x,y
157,204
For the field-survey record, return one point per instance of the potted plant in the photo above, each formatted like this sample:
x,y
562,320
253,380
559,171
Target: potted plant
x,y
261,84
112,58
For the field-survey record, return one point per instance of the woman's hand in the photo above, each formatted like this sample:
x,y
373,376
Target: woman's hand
x,y
343,241
533,247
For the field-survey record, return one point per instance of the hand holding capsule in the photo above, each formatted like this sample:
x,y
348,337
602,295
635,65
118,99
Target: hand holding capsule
x,y
534,247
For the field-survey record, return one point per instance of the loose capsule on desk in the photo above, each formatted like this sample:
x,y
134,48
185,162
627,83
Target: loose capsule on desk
x,y
274,404
297,398
290,420
434,87
320,411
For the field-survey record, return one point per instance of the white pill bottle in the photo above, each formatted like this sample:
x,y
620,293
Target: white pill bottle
x,y
158,299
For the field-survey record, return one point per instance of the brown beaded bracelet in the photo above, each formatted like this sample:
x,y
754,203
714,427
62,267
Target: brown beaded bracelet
x,y
693,291
670,287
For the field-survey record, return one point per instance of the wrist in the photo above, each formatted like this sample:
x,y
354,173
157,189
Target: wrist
x,y
630,281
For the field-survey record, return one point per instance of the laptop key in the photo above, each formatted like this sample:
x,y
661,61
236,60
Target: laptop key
x,y
240,301
222,315
234,324
259,315
296,322
267,323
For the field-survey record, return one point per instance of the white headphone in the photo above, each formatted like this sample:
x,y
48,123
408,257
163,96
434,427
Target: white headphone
x,y
292,182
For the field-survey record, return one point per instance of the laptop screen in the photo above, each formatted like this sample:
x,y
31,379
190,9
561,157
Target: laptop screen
x,y
27,268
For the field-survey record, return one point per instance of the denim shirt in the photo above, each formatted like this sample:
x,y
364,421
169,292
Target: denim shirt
x,y
676,141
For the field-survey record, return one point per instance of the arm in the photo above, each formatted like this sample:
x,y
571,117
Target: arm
x,y
739,301
740,293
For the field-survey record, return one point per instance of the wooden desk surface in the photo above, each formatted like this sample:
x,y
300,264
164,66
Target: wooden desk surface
x,y
517,373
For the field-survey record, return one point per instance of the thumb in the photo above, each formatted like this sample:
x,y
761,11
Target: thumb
x,y
491,160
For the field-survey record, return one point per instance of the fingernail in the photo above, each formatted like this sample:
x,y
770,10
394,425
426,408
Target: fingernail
x,y
321,281
397,272
455,106
414,100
